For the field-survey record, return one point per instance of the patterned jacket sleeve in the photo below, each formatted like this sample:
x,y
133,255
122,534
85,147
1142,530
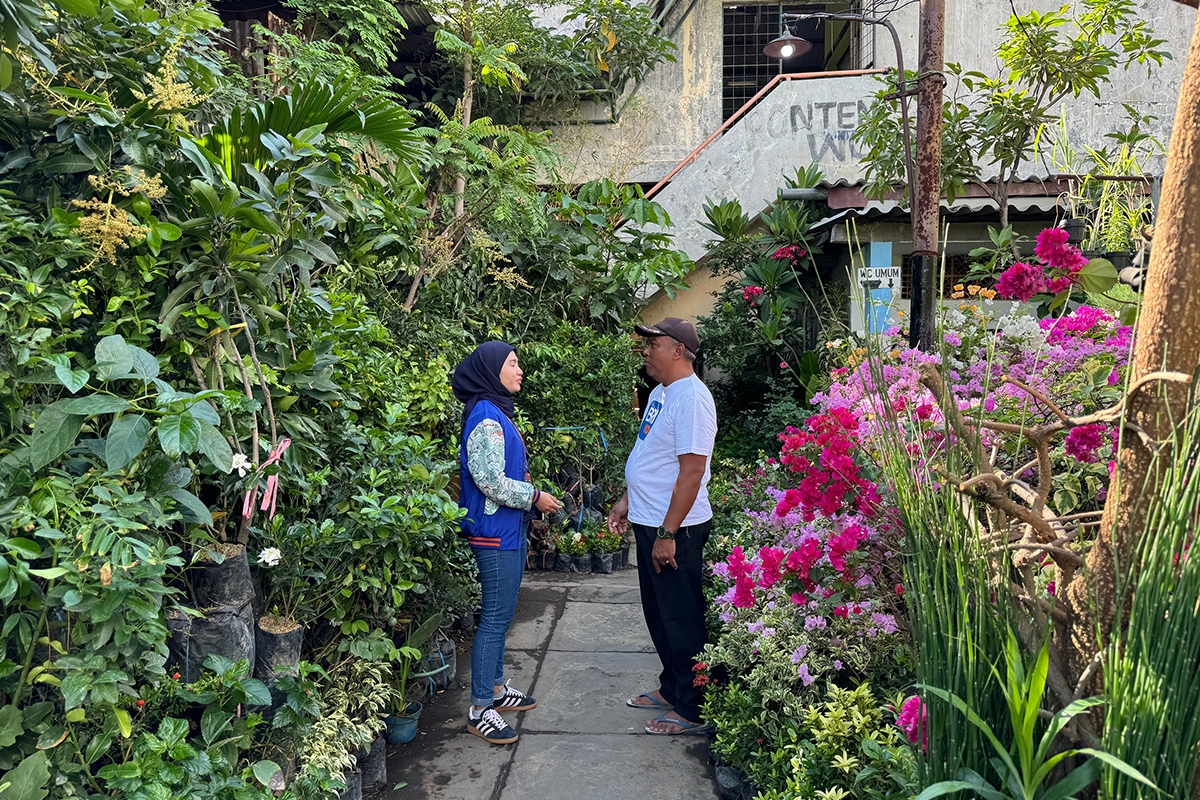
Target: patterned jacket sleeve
x,y
485,460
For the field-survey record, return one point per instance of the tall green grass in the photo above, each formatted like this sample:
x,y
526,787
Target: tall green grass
x,y
959,608
959,616
1152,674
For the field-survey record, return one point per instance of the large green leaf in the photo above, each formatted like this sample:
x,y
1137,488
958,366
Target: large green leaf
x,y
179,434
1098,276
264,771
113,357
213,445
342,107
28,781
94,404
192,508
54,432
126,439
10,725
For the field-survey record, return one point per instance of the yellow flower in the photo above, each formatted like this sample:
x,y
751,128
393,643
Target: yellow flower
x,y
166,93
973,290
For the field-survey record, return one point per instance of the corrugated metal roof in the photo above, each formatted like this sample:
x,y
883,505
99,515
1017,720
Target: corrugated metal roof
x,y
877,210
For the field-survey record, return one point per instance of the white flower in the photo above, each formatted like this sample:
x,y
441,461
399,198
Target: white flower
x,y
270,556
241,464
577,538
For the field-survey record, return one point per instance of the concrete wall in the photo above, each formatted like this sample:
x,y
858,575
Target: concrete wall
x,y
679,105
661,120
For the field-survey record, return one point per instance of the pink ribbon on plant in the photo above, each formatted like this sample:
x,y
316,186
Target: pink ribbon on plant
x,y
272,492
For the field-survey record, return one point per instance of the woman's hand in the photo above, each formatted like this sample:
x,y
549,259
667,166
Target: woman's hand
x,y
547,503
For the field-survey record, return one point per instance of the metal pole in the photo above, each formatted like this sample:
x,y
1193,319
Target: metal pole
x,y
928,194
920,331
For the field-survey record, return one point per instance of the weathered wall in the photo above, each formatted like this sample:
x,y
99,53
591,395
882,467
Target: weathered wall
x,y
661,120
679,105
698,300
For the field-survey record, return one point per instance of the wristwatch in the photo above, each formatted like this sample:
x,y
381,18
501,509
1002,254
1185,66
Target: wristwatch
x,y
663,533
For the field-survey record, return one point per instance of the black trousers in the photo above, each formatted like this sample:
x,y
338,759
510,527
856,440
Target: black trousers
x,y
673,602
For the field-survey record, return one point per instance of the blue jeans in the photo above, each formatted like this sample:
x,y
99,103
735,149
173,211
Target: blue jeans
x,y
500,572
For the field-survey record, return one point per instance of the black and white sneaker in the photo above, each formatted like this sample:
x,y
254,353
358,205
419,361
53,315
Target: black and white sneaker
x,y
490,726
513,700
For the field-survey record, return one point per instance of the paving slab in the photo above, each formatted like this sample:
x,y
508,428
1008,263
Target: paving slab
x,y
537,608
445,762
601,593
602,627
586,693
609,767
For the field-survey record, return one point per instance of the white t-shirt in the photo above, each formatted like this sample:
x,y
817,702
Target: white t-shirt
x,y
679,419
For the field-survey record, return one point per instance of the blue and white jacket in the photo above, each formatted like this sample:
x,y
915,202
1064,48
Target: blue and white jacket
x,y
494,492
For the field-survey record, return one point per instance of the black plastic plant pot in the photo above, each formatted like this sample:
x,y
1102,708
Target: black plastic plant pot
x,y
623,553
582,564
602,563
277,644
224,630
1120,259
562,562
1076,230
374,765
224,584
354,786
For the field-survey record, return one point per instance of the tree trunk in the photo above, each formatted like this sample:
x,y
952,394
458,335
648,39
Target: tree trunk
x,y
1168,339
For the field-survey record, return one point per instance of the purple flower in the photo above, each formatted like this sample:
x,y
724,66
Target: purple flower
x,y
837,664
805,675
755,627
814,622
952,339
768,632
800,653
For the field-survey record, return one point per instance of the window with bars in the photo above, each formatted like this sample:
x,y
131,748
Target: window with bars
x,y
958,265
748,29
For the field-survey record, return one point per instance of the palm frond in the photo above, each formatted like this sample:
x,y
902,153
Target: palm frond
x,y
343,109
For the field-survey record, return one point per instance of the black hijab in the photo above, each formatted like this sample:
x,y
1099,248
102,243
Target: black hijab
x,y
478,378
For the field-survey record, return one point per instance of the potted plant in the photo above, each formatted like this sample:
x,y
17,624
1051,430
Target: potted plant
x,y
574,546
401,723
290,581
605,545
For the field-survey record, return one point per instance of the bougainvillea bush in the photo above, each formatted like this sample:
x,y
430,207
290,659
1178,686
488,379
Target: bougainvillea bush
x,y
1012,369
807,598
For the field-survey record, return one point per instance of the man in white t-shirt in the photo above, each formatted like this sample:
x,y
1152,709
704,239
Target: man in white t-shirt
x,y
667,503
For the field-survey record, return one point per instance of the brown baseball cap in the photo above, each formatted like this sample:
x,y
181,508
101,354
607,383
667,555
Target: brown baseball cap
x,y
678,329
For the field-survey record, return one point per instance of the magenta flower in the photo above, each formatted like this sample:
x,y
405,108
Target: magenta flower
x,y
914,721
1021,281
1082,442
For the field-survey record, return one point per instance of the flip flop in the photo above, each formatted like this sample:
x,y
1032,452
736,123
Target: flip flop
x,y
687,728
654,703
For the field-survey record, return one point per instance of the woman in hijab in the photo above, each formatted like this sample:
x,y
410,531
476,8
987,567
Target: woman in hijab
x,y
500,500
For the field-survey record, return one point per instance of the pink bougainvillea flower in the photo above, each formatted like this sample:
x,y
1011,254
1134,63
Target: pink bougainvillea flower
x,y
1021,281
783,365
1082,442
914,721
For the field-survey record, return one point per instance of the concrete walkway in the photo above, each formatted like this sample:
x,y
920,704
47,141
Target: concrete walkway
x,y
580,646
